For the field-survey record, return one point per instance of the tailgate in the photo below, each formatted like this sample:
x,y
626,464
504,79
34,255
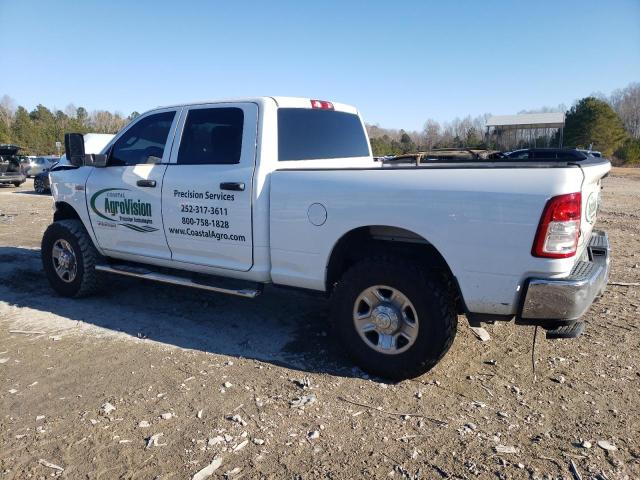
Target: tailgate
x,y
591,198
9,167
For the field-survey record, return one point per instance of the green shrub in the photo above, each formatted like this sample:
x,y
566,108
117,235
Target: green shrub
x,y
629,153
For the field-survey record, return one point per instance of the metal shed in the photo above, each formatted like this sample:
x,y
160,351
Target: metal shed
x,y
527,130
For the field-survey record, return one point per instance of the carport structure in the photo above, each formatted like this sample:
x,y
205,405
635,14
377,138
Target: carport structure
x,y
528,130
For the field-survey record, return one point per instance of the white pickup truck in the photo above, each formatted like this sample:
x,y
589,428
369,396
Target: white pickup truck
x,y
228,196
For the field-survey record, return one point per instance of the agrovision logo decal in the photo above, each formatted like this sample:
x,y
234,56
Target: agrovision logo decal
x,y
113,205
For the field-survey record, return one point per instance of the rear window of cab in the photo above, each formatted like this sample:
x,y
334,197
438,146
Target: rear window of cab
x,y
309,134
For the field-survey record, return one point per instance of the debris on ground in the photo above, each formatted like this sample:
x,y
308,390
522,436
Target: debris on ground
x,y
237,419
505,449
107,408
50,465
302,401
574,470
207,471
240,446
605,445
154,440
215,440
303,383
481,333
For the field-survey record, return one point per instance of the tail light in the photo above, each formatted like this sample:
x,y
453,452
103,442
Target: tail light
x,y
321,104
559,228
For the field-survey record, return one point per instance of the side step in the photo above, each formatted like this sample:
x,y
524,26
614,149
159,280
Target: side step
x,y
566,331
140,272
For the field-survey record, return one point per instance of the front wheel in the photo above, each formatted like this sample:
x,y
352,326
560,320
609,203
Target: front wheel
x,y
38,185
69,259
394,319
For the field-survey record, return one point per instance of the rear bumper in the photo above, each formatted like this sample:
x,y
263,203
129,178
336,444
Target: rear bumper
x,y
12,178
555,302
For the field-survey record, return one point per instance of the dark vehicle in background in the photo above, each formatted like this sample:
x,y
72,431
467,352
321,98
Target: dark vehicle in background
x,y
41,182
11,171
594,153
546,154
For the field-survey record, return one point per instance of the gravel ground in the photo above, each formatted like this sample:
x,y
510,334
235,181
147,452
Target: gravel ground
x,y
152,381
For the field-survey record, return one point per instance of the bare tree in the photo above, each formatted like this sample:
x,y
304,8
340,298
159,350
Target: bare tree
x,y
431,133
71,110
626,103
7,110
103,121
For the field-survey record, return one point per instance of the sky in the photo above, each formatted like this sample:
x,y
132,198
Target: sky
x,y
398,62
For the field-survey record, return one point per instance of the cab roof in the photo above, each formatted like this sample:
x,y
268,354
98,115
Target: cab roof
x,y
281,102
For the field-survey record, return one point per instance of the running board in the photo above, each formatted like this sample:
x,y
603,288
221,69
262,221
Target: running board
x,y
176,280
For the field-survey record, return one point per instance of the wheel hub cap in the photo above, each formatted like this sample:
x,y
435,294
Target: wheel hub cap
x,y
385,319
64,260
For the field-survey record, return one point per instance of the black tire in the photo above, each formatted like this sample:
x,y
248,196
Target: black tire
x,y
86,256
17,184
38,186
432,299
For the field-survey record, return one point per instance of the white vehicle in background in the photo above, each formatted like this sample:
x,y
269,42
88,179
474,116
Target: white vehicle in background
x,y
228,196
38,165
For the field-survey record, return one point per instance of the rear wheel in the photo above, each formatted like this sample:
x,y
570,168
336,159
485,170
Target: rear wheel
x,y
17,184
69,259
394,319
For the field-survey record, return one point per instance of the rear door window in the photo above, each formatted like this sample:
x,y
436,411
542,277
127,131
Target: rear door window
x,y
308,134
212,136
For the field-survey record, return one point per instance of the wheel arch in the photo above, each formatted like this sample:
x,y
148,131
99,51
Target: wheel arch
x,y
365,241
65,211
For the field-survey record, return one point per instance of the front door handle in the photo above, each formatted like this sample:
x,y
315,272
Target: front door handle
x,y
235,186
146,183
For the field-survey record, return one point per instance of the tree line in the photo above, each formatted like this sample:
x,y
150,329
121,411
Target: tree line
x,y
38,130
610,124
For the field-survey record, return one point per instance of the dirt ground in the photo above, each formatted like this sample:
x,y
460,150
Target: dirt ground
x,y
223,372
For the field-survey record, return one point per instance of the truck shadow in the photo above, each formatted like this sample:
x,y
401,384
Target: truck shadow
x,y
282,327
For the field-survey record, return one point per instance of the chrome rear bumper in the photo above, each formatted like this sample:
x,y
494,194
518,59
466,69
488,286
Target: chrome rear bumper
x,y
550,302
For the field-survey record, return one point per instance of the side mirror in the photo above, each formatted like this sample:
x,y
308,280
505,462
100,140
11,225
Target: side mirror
x,y
74,148
97,160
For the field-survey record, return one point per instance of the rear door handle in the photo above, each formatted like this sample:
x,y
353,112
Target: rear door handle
x,y
146,183
235,186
